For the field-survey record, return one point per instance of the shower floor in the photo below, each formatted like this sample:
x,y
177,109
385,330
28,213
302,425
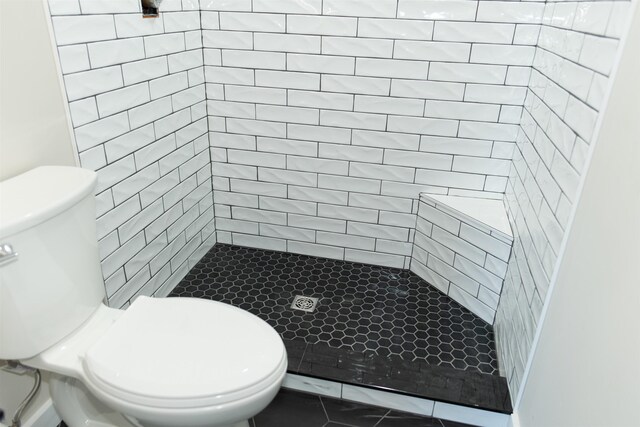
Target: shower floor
x,y
373,326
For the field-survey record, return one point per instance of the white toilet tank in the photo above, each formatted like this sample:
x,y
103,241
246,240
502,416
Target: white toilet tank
x,y
50,276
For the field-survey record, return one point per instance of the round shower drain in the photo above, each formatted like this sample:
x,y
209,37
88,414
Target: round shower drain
x,y
303,303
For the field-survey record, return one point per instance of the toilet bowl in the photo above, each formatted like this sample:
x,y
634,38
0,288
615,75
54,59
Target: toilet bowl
x,y
161,362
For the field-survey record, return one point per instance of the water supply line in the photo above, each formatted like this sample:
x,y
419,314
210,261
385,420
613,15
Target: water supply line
x,y
16,421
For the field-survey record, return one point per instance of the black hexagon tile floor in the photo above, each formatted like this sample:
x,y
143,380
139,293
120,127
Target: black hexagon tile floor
x,y
360,307
371,325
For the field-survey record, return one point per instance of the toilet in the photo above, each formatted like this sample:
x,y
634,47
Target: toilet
x,y
162,362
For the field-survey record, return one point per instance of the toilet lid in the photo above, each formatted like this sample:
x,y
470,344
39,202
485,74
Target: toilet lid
x,y
184,352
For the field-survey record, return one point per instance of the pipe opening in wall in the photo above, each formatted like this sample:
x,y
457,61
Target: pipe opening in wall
x,y
150,8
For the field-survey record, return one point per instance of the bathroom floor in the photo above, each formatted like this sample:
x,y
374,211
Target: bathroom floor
x,y
373,326
294,409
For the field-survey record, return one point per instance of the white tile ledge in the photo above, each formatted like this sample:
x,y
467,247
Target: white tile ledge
x,y
396,401
487,212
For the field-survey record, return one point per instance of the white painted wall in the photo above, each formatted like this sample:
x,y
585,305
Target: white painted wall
x,y
33,122
586,370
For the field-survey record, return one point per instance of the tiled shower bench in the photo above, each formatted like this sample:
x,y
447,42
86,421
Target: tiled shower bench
x,y
462,246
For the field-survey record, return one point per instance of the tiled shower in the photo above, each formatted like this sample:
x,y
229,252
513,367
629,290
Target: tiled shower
x,y
313,126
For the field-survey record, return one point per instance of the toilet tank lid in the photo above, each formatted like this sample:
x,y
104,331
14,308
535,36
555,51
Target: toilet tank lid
x,y
41,193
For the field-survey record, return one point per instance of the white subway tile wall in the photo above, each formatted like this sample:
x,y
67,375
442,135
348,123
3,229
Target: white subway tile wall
x,y
328,118
323,120
573,58
137,99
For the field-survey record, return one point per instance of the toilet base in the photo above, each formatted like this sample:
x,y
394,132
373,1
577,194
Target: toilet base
x,y
79,408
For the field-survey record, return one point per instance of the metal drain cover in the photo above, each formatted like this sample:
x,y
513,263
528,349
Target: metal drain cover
x,y
303,303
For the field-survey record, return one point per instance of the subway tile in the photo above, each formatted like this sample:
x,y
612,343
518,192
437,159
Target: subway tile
x,y
360,8
181,21
90,7
484,241
288,146
502,54
287,43
256,94
418,160
350,153
254,158
88,83
333,101
227,39
230,75
287,205
458,245
376,258
462,110
450,179
454,276
310,164
428,89
100,131
386,203
505,11
316,250
133,25
64,7
389,105
379,231
287,80
475,32
234,5
320,63
318,195
252,22
345,240
150,112
470,73
253,59
319,133
257,215
434,248
347,213
288,114
391,68
355,84
432,51
385,172
322,25
349,184
83,28
353,120
418,125
400,141
317,223
395,29
288,6
83,111
289,233
438,10
258,188
349,46
287,177
256,127
210,20
73,58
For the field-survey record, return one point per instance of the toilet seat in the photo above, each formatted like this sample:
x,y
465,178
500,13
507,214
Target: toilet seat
x,y
184,353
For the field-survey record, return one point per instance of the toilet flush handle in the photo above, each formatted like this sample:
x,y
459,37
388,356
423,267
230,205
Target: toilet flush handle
x,y
7,254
